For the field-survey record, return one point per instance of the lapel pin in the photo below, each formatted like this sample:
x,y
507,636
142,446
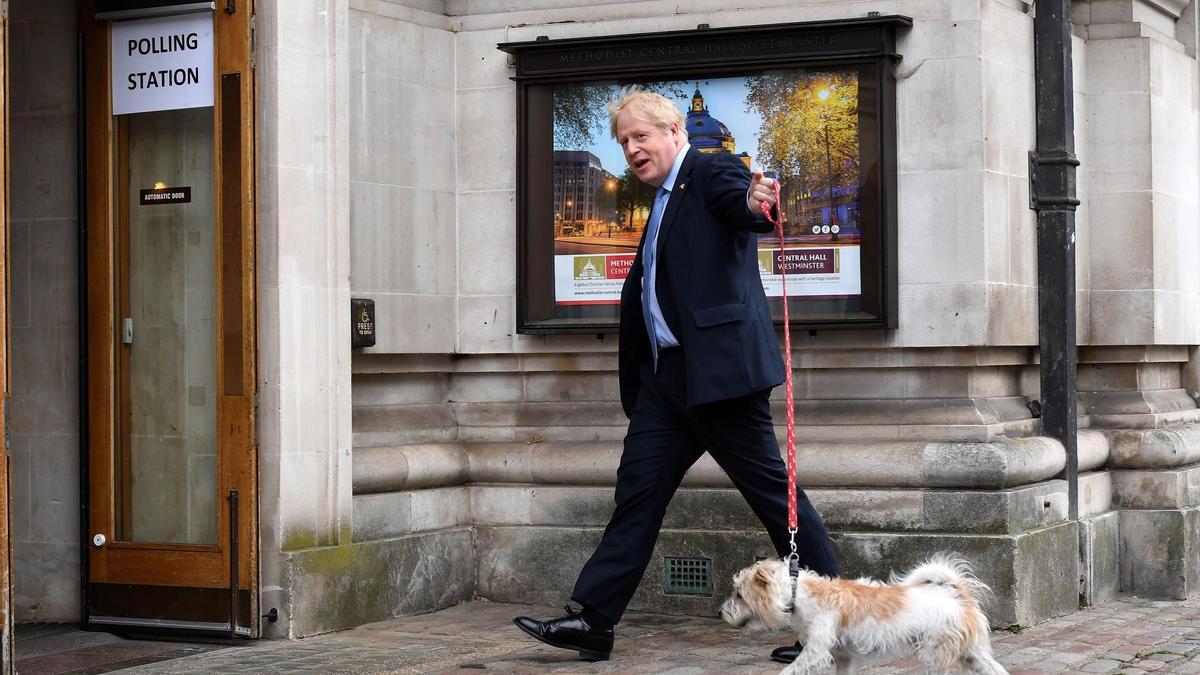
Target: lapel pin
x,y
682,185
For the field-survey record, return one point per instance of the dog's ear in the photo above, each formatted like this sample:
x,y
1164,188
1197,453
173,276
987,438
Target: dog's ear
x,y
762,576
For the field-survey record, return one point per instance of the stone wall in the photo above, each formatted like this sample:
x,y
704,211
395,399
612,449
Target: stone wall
x,y
43,311
483,459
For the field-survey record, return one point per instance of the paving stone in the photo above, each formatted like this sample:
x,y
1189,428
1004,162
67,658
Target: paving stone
x,y
1100,666
1129,636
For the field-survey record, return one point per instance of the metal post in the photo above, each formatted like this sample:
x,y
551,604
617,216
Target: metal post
x,y
829,169
1052,195
233,563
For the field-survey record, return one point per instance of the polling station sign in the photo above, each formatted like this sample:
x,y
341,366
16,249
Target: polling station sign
x,y
162,64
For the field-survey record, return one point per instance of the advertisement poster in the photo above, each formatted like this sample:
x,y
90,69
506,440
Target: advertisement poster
x,y
801,126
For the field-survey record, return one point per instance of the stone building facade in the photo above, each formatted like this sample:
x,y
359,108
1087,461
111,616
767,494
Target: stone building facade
x,y
458,458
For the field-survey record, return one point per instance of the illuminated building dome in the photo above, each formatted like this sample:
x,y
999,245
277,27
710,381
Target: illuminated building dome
x,y
706,133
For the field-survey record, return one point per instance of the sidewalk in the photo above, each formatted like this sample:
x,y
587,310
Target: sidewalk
x,y
1130,636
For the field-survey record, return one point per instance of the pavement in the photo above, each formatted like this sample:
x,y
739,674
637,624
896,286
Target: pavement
x,y
1131,635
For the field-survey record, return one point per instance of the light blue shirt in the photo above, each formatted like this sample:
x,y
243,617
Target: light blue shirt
x,y
660,330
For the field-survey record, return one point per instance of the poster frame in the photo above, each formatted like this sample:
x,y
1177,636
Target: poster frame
x,y
702,53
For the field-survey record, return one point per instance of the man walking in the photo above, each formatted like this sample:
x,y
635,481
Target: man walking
x,y
698,359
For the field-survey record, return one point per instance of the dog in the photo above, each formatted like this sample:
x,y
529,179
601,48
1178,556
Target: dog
x,y
934,611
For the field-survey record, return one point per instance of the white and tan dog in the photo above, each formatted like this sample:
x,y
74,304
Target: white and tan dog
x,y
932,611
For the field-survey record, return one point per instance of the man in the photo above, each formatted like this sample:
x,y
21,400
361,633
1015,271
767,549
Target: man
x,y
698,359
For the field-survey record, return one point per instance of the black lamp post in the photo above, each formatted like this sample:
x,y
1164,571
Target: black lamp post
x,y
833,226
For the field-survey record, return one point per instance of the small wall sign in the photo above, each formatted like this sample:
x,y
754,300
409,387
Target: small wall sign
x,y
169,195
362,322
164,63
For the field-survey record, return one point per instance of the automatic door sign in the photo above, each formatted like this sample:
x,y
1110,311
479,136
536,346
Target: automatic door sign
x,y
162,64
166,195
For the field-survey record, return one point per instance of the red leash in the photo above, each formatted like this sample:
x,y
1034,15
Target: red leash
x,y
787,361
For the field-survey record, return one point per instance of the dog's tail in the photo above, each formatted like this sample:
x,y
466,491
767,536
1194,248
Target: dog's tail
x,y
945,569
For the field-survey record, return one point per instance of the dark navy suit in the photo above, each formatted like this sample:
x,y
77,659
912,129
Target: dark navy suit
x,y
708,394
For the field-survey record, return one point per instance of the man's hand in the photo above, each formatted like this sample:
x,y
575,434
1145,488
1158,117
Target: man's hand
x,y
762,192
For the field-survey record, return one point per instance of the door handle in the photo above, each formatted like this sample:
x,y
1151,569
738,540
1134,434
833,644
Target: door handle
x,y
99,540
127,330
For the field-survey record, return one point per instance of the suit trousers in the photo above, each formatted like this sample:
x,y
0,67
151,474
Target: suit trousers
x,y
664,439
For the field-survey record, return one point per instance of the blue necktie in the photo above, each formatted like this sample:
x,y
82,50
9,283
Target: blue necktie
x,y
656,214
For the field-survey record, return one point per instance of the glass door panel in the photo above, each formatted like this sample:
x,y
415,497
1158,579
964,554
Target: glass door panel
x,y
167,473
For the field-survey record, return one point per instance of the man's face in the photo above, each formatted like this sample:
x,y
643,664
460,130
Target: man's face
x,y
649,149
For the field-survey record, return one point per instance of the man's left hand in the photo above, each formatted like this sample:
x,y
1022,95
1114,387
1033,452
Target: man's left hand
x,y
762,192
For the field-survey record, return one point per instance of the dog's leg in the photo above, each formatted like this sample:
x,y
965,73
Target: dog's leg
x,y
939,654
979,660
845,665
817,654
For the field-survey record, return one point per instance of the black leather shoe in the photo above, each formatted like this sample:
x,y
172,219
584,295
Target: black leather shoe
x,y
787,654
570,632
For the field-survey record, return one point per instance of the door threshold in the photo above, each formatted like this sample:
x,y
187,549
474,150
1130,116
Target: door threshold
x,y
172,627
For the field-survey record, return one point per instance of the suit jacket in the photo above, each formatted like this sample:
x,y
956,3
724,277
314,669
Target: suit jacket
x,y
708,288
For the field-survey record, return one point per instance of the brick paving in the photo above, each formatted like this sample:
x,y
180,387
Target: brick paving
x,y
1131,635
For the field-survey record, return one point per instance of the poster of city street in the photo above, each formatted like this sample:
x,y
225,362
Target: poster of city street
x,y
801,126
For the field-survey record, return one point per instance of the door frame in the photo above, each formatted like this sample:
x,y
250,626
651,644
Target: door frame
x,y
6,604
150,570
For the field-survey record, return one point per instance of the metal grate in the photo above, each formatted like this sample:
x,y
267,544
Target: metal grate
x,y
687,576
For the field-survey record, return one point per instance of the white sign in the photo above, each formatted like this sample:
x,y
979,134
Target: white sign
x,y
162,64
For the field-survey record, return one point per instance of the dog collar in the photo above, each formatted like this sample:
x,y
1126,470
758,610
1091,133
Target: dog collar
x,y
794,573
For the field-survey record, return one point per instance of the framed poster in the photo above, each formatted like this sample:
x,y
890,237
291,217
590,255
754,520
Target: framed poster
x,y
812,104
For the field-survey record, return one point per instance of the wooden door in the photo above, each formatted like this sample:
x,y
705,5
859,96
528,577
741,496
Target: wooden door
x,y
172,458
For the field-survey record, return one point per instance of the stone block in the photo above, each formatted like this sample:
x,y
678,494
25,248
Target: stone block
x,y
941,130
940,314
1099,558
394,425
396,514
585,386
379,389
397,48
540,414
53,490
486,323
946,197
1095,493
1093,450
335,587
1158,552
479,64
412,323
47,582
1157,489
402,132
538,434
403,239
486,231
994,512
1000,464
848,509
1154,448
53,289
1008,105
513,504
486,151
409,467
45,383
45,186
488,387
1034,575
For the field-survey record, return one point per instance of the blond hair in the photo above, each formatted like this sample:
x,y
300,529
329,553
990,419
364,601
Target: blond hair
x,y
646,106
